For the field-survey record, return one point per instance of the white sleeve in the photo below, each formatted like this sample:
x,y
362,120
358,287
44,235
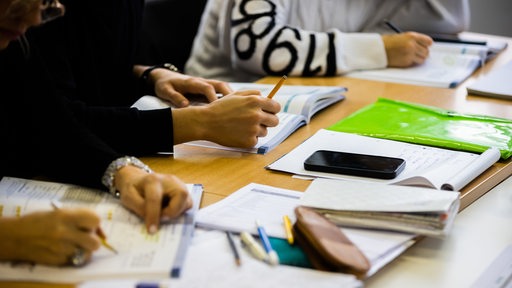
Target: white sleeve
x,y
262,42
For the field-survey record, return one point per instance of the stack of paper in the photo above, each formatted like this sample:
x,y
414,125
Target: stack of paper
x,y
379,206
268,204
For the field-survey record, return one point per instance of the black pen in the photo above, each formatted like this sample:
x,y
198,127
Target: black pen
x,y
393,27
234,249
439,38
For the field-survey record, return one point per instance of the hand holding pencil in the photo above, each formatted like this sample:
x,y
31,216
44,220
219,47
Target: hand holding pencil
x,y
99,232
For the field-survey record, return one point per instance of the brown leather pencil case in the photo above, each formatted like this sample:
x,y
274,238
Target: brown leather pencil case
x,y
325,245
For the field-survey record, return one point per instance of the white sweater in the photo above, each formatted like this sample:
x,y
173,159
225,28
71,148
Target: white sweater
x,y
244,40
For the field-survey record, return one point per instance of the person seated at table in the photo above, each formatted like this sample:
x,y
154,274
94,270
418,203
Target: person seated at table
x,y
244,40
41,137
102,81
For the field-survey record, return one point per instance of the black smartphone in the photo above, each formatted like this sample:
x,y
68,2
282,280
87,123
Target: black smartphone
x,y
355,164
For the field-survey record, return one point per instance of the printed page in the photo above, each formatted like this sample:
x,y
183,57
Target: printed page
x,y
422,162
443,70
139,253
298,99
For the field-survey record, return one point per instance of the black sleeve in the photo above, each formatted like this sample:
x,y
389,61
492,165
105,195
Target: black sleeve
x,y
42,136
129,130
89,53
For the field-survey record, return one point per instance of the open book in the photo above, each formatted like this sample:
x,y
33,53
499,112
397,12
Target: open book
x,y
375,205
298,103
447,66
140,255
425,166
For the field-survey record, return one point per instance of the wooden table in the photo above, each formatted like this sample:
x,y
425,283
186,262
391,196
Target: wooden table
x,y
224,172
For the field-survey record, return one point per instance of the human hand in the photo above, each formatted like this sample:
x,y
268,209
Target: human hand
x,y
172,86
235,120
144,193
406,49
50,238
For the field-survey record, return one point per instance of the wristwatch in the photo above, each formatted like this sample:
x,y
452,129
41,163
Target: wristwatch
x,y
108,176
168,66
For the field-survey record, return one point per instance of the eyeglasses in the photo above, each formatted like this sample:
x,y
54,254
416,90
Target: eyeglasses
x,y
51,9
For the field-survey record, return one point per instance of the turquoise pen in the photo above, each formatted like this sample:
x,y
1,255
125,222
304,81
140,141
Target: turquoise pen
x,y
273,259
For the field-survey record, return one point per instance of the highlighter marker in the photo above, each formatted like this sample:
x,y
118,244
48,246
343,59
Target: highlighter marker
x,y
254,247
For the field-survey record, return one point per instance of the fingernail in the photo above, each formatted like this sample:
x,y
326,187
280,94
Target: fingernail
x,y
152,229
165,219
184,103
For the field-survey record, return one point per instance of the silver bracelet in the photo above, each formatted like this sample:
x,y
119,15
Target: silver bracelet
x,y
108,176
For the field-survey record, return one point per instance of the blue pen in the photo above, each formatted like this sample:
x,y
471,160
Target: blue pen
x,y
273,259
149,285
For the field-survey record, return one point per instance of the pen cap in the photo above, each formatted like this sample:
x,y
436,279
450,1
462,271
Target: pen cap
x,y
325,245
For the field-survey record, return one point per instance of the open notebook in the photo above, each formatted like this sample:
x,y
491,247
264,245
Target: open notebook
x,y
448,65
140,254
298,105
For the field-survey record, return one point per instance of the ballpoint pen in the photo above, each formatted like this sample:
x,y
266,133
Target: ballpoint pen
x,y
99,232
446,39
393,27
273,259
253,246
233,248
276,88
288,229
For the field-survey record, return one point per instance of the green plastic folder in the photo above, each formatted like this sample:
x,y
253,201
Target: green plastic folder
x,y
426,125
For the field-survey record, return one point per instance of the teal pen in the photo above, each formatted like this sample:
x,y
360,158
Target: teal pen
x,y
273,259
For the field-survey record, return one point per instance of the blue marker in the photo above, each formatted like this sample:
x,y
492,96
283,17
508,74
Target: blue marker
x,y
273,259
149,285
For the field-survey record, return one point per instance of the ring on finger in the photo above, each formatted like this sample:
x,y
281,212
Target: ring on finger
x,y
78,257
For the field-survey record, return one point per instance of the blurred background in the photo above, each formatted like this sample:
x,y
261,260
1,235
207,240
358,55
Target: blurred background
x,y
491,17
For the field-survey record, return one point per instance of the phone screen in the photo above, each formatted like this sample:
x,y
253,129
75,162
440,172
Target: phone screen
x,y
354,164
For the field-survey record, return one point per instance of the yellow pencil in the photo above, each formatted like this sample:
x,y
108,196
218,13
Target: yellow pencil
x,y
278,85
288,229
99,232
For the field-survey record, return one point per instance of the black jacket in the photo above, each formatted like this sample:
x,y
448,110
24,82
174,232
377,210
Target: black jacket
x,y
90,52
40,135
